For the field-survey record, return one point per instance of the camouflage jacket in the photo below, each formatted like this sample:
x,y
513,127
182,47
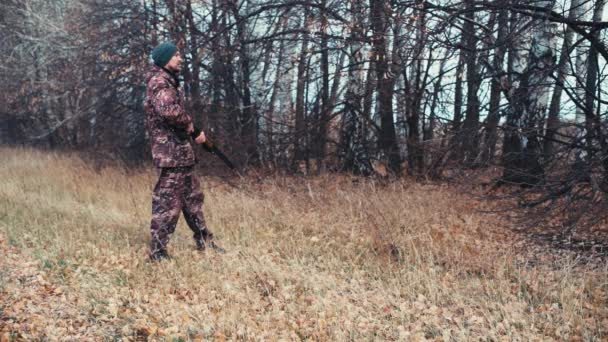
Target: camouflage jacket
x,y
167,121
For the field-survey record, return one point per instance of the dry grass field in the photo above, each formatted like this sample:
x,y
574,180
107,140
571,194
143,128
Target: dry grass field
x,y
329,258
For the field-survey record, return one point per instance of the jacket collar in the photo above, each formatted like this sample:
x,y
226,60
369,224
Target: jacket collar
x,y
169,76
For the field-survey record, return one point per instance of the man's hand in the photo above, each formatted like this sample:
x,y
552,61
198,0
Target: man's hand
x,y
201,138
190,128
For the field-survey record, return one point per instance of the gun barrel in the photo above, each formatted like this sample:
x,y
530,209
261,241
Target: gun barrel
x,y
225,159
211,148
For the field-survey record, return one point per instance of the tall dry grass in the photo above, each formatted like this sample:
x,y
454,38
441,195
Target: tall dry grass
x,y
329,258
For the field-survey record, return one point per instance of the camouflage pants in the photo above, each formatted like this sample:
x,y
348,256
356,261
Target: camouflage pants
x,y
177,190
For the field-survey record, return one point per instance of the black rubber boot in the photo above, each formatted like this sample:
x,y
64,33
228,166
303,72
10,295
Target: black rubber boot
x,y
201,246
160,255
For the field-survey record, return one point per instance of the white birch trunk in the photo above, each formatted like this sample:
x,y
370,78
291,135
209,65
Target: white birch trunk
x,y
529,102
541,65
354,154
580,74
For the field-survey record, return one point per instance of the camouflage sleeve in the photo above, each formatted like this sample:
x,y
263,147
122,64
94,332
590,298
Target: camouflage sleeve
x,y
166,105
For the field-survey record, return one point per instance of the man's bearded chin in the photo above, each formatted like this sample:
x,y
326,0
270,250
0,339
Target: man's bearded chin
x,y
176,68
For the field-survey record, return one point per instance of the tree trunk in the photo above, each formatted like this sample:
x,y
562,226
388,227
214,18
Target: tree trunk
x,y
270,118
528,104
553,122
456,153
232,101
249,119
388,139
353,154
300,127
216,109
458,94
491,136
415,89
591,86
471,122
195,60
325,95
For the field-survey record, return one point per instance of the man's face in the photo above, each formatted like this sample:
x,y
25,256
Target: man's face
x,y
175,63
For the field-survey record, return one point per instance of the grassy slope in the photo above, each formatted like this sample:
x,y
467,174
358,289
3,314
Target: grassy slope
x,y
325,258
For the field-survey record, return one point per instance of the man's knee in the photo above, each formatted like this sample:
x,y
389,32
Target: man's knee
x,y
165,218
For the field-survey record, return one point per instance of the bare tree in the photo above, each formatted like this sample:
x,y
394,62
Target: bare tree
x,y
380,12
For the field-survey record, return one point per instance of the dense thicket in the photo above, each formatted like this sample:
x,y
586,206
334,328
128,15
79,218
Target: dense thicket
x,y
416,86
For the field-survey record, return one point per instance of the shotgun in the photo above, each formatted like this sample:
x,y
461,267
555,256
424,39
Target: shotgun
x,y
211,148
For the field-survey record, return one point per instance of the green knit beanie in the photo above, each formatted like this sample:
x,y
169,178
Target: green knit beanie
x,y
162,54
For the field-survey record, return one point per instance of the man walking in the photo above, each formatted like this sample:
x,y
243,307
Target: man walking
x,y
170,130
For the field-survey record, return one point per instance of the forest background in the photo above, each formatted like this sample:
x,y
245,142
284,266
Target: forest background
x,y
421,88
